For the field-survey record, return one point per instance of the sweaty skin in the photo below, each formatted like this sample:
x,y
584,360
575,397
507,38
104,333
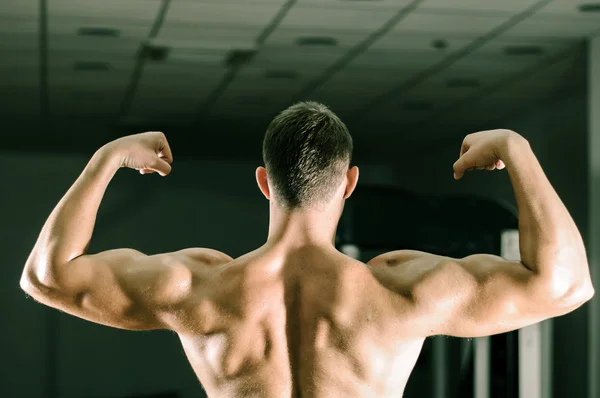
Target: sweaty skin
x,y
297,318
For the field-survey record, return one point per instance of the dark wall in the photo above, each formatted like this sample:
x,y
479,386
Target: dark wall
x,y
563,153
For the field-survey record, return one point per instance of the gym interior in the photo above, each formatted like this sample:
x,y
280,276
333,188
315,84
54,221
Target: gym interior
x,y
410,78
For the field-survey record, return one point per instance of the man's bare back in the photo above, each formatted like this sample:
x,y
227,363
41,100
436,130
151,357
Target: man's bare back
x,y
305,323
296,318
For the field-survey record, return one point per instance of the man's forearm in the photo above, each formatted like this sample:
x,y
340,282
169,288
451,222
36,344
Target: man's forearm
x,y
68,230
550,242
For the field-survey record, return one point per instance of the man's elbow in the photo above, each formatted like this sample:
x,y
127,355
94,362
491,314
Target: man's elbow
x,y
583,292
571,295
31,284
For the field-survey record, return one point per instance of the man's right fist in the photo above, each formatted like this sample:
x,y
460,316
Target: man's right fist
x,y
147,152
484,151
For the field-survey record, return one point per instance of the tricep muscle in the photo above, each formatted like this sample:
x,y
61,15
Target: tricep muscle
x,y
120,288
471,297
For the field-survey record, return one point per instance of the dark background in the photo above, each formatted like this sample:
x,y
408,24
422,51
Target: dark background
x,y
410,78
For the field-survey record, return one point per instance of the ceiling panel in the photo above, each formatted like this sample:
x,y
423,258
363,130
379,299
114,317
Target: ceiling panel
x,y
103,11
201,34
335,17
17,29
516,94
24,61
11,9
173,92
177,35
17,42
417,103
522,83
131,25
421,42
100,103
478,6
19,59
88,75
449,25
77,88
19,49
491,62
387,62
241,13
225,25
568,8
361,85
543,26
380,5
64,72
252,89
307,62
287,38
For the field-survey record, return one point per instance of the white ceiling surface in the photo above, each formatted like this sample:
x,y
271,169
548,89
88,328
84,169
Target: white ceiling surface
x,y
201,33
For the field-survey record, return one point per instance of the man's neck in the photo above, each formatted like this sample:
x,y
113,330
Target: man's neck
x,y
305,227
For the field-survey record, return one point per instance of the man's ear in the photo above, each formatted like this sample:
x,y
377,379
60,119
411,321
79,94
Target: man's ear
x,y
351,181
263,183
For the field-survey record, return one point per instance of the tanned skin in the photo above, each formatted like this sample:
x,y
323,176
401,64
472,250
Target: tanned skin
x,y
295,317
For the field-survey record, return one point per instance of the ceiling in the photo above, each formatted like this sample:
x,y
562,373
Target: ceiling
x,y
211,73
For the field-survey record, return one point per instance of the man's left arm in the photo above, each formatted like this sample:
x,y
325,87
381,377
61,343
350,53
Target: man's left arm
x,y
121,288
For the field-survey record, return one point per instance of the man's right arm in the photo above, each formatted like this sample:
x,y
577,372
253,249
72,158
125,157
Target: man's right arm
x,y
484,294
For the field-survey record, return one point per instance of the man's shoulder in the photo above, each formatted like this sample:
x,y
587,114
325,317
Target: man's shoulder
x,y
203,256
396,257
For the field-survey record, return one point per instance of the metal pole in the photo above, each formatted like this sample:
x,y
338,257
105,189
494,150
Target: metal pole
x,y
440,373
594,212
482,368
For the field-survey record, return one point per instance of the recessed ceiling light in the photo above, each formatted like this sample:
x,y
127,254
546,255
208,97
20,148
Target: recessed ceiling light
x,y
235,58
91,66
154,53
439,44
417,106
523,50
316,41
98,32
281,74
589,7
462,83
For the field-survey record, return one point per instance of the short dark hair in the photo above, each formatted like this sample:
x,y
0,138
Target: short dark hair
x,y
307,150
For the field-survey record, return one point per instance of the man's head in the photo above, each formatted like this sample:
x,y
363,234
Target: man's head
x,y
307,151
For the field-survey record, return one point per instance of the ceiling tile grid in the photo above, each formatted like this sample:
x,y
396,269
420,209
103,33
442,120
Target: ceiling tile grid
x,y
19,57
225,25
174,89
484,59
200,36
92,53
443,53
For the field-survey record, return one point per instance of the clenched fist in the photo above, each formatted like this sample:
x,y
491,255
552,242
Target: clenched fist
x,y
147,152
484,151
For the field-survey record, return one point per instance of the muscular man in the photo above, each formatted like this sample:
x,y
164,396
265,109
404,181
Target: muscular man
x,y
295,317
